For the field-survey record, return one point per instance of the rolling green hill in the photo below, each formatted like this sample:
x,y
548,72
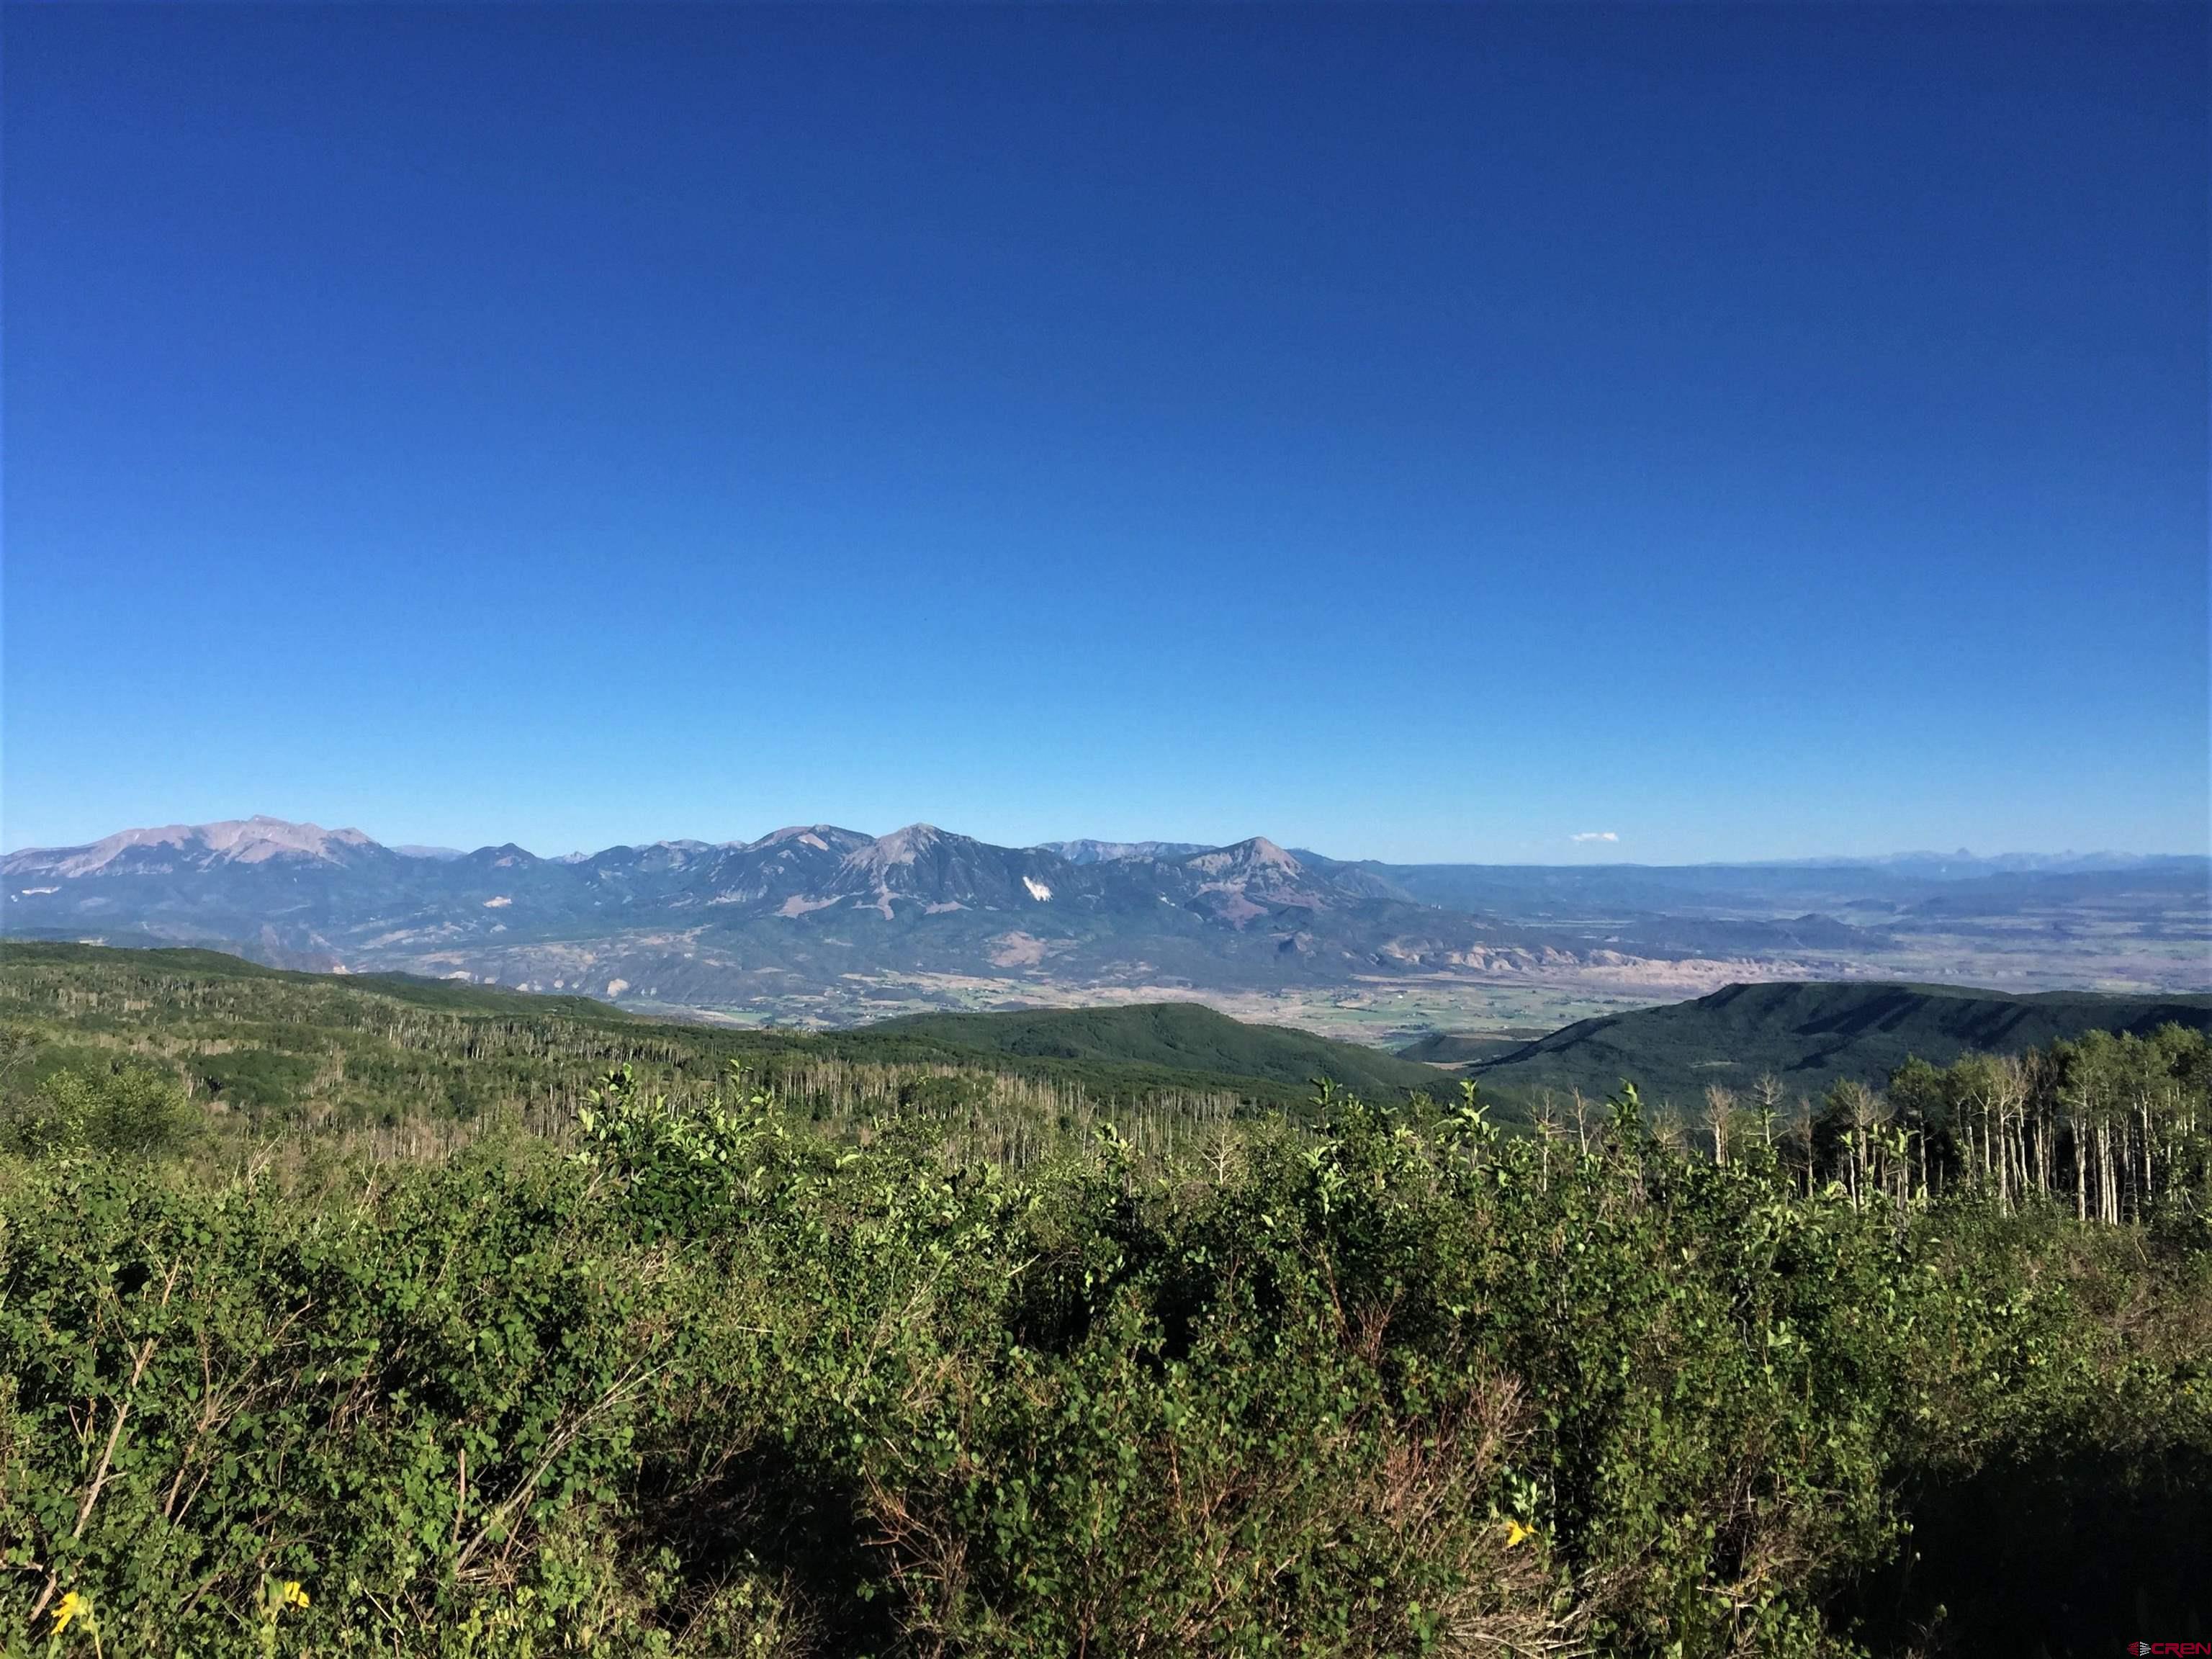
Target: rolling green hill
x,y
360,1049
1809,1034
367,1050
174,960
1183,1035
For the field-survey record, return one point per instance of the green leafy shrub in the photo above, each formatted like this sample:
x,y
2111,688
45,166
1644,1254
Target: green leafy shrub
x,y
125,1111
710,1382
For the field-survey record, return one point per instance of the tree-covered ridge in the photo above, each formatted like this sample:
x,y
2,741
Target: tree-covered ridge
x,y
1183,1035
1806,1036
359,1053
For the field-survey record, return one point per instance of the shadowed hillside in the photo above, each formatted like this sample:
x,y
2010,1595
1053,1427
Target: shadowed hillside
x,y
1459,1048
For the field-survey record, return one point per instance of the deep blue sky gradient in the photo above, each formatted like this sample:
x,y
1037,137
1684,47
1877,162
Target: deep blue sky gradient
x,y
1418,431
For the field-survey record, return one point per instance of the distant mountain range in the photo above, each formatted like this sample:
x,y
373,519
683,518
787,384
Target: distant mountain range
x,y
690,921
820,924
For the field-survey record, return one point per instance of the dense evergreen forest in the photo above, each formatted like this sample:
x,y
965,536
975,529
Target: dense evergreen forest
x,y
623,1340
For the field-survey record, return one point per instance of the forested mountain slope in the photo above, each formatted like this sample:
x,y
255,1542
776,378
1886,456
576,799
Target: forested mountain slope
x,y
1183,1034
367,1050
1808,1036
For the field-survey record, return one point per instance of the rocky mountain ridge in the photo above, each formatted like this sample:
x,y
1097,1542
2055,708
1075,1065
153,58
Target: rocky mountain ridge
x,y
247,864
825,924
806,911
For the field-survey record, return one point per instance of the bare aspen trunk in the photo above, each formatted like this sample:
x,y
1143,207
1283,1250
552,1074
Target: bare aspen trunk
x,y
2105,1196
2007,1194
2148,1194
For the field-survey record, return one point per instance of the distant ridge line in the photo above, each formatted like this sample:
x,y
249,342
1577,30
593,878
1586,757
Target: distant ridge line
x,y
261,828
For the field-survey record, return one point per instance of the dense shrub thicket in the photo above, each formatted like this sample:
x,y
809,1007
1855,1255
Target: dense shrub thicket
x,y
709,1382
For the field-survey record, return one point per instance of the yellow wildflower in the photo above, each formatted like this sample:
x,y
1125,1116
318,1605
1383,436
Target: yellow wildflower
x,y
1515,1532
66,1609
294,1596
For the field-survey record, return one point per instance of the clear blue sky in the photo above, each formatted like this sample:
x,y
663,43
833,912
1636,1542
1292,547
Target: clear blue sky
x,y
1412,432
